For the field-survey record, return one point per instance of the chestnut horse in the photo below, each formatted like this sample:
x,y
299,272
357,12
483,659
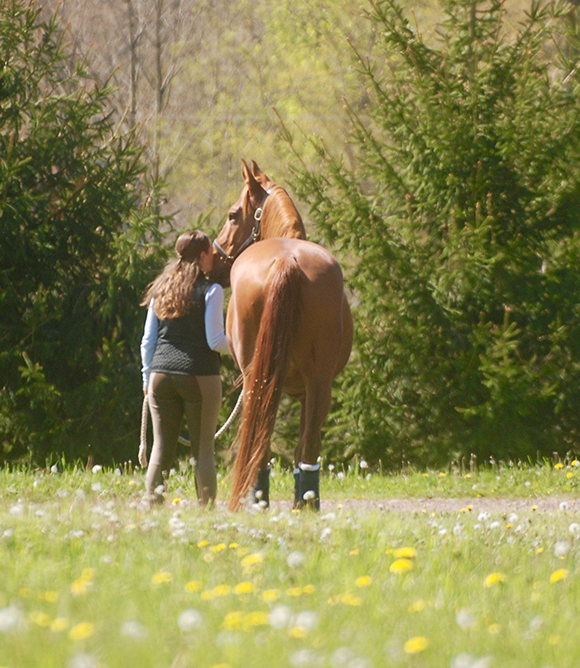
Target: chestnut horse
x,y
289,328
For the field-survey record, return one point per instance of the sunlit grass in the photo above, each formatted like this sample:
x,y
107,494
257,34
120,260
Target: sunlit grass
x,y
93,577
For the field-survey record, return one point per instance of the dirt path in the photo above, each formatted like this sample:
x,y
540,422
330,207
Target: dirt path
x,y
444,505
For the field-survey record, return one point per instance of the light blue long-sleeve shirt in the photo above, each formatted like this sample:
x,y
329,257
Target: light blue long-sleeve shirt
x,y
214,329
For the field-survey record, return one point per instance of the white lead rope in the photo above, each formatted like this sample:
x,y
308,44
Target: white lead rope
x,y
184,441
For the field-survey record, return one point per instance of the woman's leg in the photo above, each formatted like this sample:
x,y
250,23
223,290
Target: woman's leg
x,y
166,406
202,404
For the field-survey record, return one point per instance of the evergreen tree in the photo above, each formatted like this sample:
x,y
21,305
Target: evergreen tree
x,y
74,215
459,228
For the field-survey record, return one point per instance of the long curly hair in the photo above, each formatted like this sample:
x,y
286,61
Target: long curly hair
x,y
172,289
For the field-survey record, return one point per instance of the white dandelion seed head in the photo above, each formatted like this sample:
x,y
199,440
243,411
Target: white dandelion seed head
x,y
494,525
189,620
134,629
442,532
340,475
160,489
280,616
513,518
83,660
17,510
564,506
307,620
363,464
574,528
325,534
331,467
458,529
464,618
97,487
536,623
483,516
10,618
303,657
309,495
295,559
561,548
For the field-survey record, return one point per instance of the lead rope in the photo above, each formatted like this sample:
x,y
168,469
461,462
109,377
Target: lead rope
x,y
184,441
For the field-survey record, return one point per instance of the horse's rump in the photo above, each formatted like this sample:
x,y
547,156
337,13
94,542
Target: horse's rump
x,y
266,375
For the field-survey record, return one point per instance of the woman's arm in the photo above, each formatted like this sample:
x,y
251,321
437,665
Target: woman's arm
x,y
214,319
148,343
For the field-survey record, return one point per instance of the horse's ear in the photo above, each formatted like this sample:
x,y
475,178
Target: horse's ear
x,y
259,175
253,186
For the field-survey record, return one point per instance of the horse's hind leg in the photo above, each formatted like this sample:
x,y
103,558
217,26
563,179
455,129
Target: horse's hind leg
x,y
315,407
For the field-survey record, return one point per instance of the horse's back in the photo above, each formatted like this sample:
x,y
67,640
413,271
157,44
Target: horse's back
x,y
323,339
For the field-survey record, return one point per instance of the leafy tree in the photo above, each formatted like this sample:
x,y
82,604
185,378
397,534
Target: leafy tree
x,y
74,220
459,226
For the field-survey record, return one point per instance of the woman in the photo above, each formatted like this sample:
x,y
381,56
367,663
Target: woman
x,y
184,334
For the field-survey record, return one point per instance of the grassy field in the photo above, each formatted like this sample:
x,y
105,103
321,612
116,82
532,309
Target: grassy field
x,y
92,577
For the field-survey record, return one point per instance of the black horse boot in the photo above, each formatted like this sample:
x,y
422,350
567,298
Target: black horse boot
x,y
309,486
262,488
296,489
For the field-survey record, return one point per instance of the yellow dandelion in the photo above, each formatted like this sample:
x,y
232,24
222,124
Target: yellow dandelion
x,y
494,579
233,546
364,581
401,566
425,475
221,590
218,548
405,553
349,599
355,552
253,619
308,589
494,629
297,632
206,595
49,596
416,645
25,592
233,621
539,550
442,474
244,588
569,474
251,560
560,574
81,586
294,591
59,624
271,595
203,543
176,501
418,606
82,631
559,465
161,577
40,618
193,585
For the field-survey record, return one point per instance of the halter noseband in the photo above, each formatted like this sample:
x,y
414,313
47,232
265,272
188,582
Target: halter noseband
x,y
254,234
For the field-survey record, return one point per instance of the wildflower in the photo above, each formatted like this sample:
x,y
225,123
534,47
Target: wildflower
x,y
401,566
59,624
564,506
574,528
82,631
294,591
218,548
560,574
280,617
233,621
176,501
416,645
561,548
354,553
189,620
493,579
161,577
84,660
10,618
39,618
464,619
253,619
203,543
193,585
405,553
349,599
244,588
306,621
270,595
325,533
494,629
295,559
133,629
559,465
418,606
364,581
252,561
363,464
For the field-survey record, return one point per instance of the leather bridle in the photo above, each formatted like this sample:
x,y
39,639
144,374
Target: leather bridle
x,y
254,234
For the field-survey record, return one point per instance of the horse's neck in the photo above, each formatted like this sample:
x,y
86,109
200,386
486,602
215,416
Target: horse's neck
x,y
283,220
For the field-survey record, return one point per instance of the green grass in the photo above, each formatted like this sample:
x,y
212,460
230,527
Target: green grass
x,y
91,577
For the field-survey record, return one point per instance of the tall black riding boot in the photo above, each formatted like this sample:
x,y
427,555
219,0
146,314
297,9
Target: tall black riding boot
x,y
309,486
262,487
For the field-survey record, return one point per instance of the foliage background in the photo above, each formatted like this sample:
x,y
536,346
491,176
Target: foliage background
x,y
449,132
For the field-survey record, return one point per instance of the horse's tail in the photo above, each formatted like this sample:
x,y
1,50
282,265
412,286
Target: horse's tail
x,y
263,387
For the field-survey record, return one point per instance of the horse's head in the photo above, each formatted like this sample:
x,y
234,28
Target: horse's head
x,y
246,224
